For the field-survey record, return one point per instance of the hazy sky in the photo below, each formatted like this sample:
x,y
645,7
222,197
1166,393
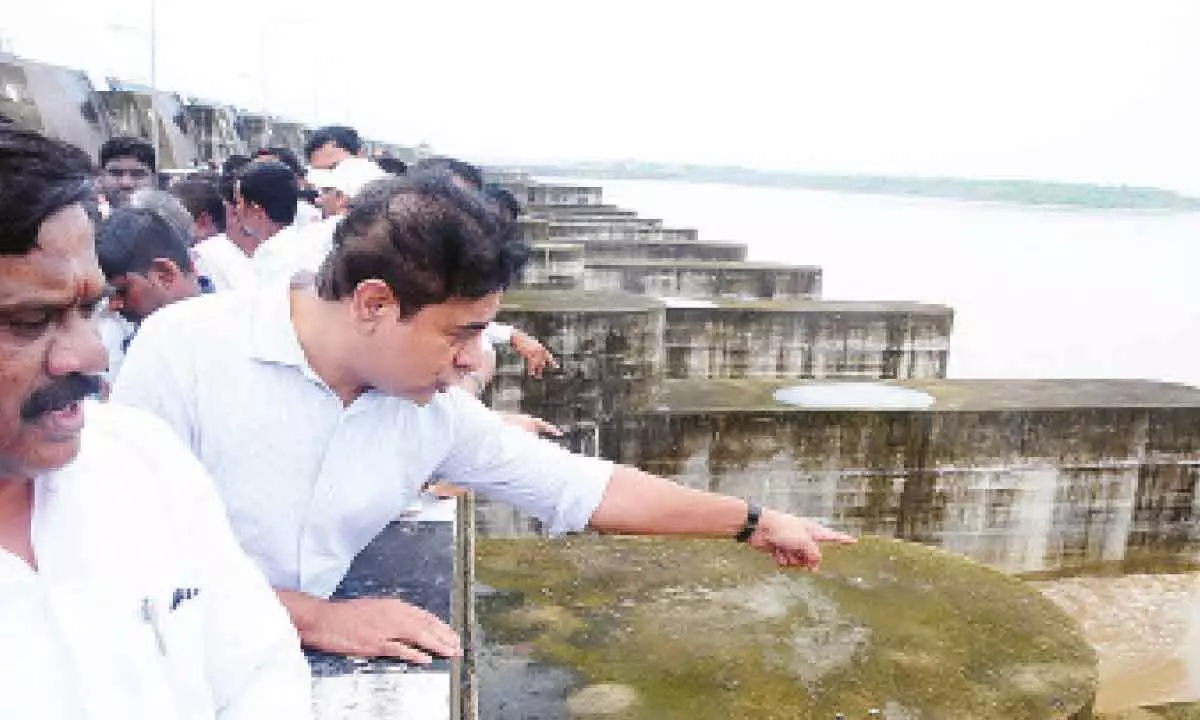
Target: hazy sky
x,y
1094,90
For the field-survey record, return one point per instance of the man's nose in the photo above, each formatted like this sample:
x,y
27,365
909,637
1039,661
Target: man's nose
x,y
469,357
76,348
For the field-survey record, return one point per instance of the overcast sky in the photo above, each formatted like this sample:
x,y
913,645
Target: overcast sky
x,y
1094,90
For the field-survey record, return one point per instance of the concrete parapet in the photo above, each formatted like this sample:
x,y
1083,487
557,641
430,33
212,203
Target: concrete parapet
x,y
556,194
548,212
1026,475
135,111
216,135
685,250
427,560
817,339
608,346
552,265
700,279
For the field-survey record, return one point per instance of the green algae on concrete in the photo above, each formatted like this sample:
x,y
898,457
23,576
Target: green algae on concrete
x,y
709,629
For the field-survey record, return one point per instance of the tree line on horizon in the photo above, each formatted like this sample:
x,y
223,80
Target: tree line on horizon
x,y
1027,192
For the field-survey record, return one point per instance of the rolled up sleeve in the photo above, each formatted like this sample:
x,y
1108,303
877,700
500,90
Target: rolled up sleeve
x,y
560,488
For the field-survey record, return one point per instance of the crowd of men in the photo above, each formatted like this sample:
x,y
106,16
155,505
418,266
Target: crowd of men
x,y
297,354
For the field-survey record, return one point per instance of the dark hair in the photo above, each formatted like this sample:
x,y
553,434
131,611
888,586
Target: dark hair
x,y
201,196
127,146
229,172
460,169
271,185
392,165
340,135
427,238
283,155
133,238
505,200
38,177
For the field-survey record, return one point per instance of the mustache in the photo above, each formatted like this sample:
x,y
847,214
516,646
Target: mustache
x,y
60,393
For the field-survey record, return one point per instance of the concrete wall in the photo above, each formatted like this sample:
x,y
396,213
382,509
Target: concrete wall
x,y
610,250
1039,488
820,340
702,280
609,350
554,266
216,135
134,112
567,211
549,194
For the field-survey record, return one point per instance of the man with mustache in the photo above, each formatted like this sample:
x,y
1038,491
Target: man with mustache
x,y
321,407
123,593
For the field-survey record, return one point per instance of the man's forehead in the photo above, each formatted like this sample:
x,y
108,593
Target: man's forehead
x,y
126,161
61,268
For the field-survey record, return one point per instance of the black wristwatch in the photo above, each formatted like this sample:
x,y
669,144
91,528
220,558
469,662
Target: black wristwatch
x,y
753,513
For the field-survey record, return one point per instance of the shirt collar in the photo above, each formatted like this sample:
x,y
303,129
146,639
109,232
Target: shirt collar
x,y
274,336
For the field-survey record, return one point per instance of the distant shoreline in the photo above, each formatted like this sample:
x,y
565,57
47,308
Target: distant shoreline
x,y
1018,192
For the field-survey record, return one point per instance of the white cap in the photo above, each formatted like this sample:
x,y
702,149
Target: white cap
x,y
349,177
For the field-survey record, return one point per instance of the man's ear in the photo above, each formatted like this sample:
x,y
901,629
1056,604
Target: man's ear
x,y
164,271
372,301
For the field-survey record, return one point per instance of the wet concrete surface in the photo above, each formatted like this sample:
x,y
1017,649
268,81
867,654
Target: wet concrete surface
x,y
697,630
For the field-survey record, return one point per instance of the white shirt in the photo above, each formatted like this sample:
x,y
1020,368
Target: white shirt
x,y
285,252
308,483
306,214
224,263
114,331
143,607
498,333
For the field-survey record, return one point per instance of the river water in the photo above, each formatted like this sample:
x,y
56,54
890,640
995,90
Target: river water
x,y
1037,292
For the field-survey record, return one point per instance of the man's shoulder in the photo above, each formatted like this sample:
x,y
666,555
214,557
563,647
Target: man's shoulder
x,y
209,309
218,246
130,436
115,422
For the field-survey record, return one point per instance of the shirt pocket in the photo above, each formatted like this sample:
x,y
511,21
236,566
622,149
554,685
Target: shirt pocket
x,y
177,620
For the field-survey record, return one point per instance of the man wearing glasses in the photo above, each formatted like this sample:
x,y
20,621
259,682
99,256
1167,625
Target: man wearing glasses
x,y
126,166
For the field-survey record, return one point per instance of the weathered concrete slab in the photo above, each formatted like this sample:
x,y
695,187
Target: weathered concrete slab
x,y
215,128
683,250
816,339
662,628
611,344
1025,475
632,231
608,346
564,211
699,279
563,194
420,561
135,110
554,266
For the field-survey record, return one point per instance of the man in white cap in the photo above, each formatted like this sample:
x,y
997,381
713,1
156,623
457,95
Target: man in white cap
x,y
337,186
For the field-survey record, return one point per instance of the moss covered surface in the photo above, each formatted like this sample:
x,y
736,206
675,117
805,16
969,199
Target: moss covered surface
x,y
709,629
